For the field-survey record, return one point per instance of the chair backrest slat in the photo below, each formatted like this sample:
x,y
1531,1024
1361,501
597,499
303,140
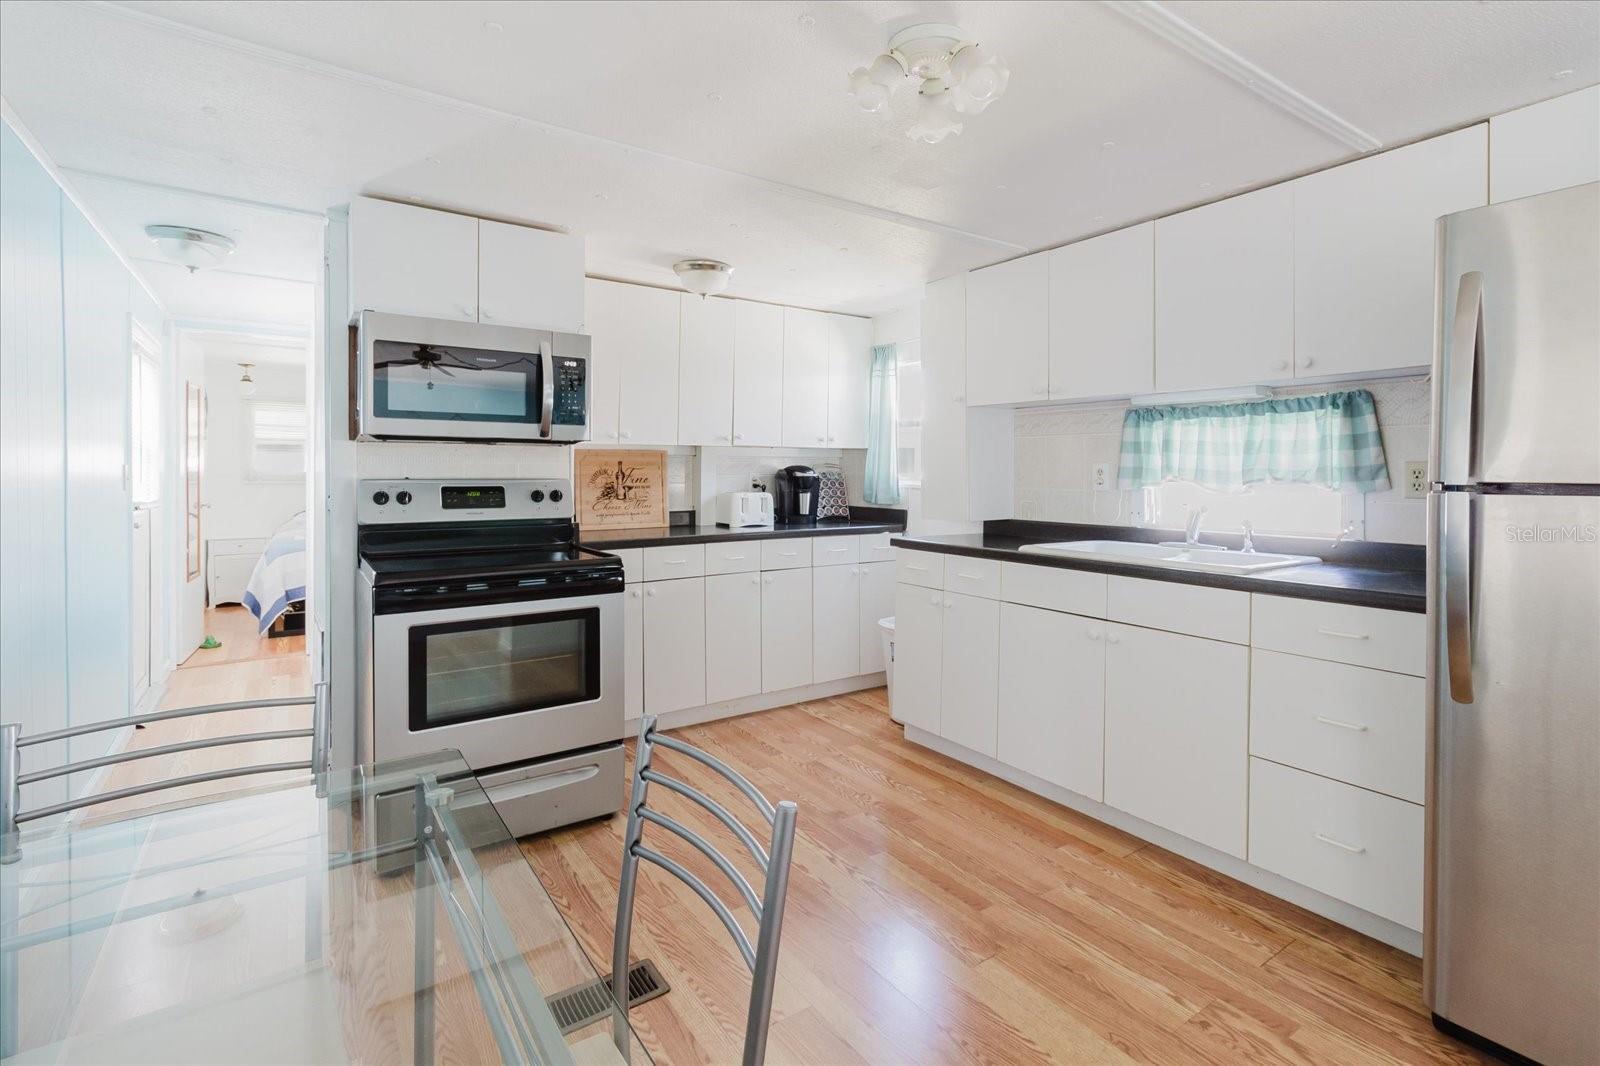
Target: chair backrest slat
x,y
740,782
716,857
734,825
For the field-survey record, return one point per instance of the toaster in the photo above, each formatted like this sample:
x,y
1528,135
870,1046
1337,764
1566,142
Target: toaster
x,y
737,509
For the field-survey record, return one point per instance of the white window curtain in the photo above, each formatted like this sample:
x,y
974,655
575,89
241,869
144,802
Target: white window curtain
x,y
277,441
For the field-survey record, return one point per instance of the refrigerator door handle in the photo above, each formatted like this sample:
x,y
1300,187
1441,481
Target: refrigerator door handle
x,y
1458,593
1460,400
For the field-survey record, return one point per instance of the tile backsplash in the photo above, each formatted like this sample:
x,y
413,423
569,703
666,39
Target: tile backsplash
x,y
1058,448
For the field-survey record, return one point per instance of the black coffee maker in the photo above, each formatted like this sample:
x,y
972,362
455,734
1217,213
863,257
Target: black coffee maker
x,y
795,502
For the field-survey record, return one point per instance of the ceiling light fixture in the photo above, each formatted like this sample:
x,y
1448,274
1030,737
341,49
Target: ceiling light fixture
x,y
957,77
190,247
704,276
247,384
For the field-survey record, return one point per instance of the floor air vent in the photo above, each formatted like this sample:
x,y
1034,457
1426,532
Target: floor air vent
x,y
589,1003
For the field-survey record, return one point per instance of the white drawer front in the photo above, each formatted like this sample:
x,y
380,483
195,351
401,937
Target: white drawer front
x,y
661,564
835,551
1220,614
632,562
1349,843
875,548
919,568
251,546
972,577
1365,636
737,557
1054,589
785,554
1365,727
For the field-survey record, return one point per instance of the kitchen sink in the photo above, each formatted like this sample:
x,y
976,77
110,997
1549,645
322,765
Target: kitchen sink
x,y
1172,556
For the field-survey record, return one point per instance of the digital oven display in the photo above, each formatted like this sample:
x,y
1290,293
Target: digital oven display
x,y
472,497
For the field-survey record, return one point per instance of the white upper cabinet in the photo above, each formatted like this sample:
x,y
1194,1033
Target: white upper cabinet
x,y
706,371
634,357
1102,319
412,261
606,309
1225,293
1008,332
529,277
1363,252
805,378
849,368
1545,146
757,373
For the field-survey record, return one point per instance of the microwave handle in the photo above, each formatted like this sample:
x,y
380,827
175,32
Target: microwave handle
x,y
548,377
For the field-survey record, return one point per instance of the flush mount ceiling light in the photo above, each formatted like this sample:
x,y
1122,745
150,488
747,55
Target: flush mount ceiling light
x,y
956,77
247,384
190,247
704,276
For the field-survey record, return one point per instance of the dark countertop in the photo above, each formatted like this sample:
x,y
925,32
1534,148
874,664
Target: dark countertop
x,y
1387,576
661,536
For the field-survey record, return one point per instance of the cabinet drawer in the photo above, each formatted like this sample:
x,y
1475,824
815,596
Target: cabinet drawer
x,y
875,548
738,557
1364,727
251,546
972,577
786,554
1054,589
1352,844
1219,614
1364,636
673,562
919,568
632,563
835,551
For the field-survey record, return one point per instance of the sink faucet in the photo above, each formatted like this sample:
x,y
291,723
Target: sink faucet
x,y
1191,530
1249,539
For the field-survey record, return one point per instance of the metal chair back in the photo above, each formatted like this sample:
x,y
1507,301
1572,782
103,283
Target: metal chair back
x,y
762,958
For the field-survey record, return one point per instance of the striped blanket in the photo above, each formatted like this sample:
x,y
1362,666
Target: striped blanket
x,y
279,578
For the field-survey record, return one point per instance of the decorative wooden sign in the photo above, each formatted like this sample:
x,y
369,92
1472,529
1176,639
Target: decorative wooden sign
x,y
621,490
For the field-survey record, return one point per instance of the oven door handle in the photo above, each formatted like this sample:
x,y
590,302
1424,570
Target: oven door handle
x,y
547,408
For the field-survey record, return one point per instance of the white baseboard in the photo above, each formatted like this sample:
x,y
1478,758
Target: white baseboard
x,y
761,701
1336,910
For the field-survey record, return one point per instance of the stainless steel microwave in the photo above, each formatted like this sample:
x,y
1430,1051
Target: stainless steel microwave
x,y
435,379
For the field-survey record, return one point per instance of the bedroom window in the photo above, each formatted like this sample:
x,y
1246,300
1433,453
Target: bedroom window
x,y
277,441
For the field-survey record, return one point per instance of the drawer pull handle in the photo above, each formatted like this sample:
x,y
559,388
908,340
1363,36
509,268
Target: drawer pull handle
x,y
838,549
1342,636
734,558
918,569
1351,848
788,553
970,577
673,562
1354,727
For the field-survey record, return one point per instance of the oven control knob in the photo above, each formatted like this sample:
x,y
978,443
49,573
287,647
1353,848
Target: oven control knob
x,y
555,495
537,495
380,497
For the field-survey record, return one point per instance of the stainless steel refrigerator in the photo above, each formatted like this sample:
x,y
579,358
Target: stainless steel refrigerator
x,y
1512,940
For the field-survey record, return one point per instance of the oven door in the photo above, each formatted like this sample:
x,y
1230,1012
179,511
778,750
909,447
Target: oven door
x,y
501,683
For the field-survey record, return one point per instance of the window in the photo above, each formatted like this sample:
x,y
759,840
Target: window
x,y
277,441
145,418
908,412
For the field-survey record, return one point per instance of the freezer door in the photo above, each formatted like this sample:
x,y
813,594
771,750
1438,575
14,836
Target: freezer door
x,y
1518,344
1512,948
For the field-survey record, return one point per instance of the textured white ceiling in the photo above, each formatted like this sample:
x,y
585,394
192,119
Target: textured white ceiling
x,y
600,118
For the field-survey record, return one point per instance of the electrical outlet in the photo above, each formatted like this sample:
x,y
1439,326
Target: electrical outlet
x,y
1102,475
1416,479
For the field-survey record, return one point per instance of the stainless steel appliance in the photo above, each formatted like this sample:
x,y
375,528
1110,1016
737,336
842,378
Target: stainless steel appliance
x,y
1512,940
737,510
798,495
435,379
485,629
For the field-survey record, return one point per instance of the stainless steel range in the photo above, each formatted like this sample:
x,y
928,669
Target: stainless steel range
x,y
486,629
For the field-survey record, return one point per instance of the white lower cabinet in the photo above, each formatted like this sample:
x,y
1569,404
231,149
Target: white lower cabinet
x,y
633,653
733,636
785,629
835,622
674,644
877,602
918,648
970,672
1177,733
1052,696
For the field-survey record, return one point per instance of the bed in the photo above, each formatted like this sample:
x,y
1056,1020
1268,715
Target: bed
x,y
277,585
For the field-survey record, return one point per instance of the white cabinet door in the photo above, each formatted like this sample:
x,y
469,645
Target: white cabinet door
x,y
1102,315
1225,292
757,374
633,653
529,277
1052,696
918,655
607,312
877,601
674,644
1363,252
835,622
635,336
733,636
805,378
785,629
1546,146
705,371
1177,733
944,401
412,261
1008,331
971,672
849,367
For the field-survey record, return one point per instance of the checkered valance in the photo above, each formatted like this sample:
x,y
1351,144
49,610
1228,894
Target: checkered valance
x,y
1329,439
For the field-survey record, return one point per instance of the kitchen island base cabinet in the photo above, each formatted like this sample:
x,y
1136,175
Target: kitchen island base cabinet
x,y
970,672
1177,733
733,636
918,646
785,629
674,644
1052,696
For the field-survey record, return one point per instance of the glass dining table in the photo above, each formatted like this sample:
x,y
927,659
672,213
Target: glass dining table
x,y
378,915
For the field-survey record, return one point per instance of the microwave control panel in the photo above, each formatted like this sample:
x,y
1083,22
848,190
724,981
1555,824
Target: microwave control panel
x,y
571,384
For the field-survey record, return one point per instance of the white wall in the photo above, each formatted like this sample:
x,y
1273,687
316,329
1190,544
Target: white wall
x,y
239,506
